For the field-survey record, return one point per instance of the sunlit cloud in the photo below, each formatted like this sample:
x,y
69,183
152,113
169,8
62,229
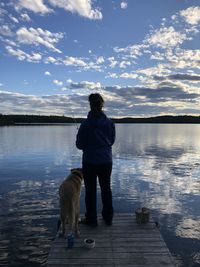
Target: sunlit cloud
x,y
74,61
166,37
47,73
132,50
57,82
25,17
159,60
191,15
165,98
128,75
15,20
6,31
124,5
39,36
36,6
124,64
21,55
184,58
81,7
85,85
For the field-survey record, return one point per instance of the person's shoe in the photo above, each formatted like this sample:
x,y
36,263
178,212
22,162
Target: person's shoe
x,y
85,221
108,222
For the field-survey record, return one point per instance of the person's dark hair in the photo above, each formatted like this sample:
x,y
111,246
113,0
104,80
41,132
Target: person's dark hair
x,y
96,102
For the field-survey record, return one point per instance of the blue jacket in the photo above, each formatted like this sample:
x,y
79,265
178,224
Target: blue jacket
x,y
95,137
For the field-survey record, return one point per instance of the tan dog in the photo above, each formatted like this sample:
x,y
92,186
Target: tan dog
x,y
69,193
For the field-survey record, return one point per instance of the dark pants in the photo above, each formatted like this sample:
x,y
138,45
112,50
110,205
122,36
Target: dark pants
x,y
90,174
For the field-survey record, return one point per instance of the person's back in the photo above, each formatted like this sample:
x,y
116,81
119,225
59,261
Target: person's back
x,y
95,137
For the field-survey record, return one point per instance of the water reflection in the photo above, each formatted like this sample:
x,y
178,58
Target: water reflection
x,y
154,165
27,213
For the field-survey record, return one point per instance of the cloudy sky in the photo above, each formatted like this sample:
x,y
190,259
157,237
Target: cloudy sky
x,y
143,56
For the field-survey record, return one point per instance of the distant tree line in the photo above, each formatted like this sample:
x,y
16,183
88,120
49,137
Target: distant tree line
x,y
161,119
40,119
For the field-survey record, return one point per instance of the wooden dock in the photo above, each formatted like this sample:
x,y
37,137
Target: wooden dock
x,y
125,243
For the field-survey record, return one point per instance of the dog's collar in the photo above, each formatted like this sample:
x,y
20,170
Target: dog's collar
x,y
78,174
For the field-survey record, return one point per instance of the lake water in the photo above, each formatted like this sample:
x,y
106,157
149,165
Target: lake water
x,y
155,165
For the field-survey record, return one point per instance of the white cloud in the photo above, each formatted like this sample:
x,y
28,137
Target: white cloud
x,y
25,82
112,75
182,58
100,60
124,5
126,75
14,19
93,66
5,31
166,38
50,60
21,55
113,62
74,61
36,6
3,13
174,17
39,37
132,50
10,42
147,101
157,56
25,17
85,85
82,7
59,83
47,73
160,69
124,64
191,15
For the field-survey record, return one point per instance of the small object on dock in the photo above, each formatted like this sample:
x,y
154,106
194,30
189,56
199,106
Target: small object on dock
x,y
142,215
70,241
89,243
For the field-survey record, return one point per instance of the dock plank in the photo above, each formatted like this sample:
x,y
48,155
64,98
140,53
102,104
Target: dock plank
x,y
125,243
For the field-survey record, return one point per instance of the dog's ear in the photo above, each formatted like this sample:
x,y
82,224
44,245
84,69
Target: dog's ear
x,y
76,169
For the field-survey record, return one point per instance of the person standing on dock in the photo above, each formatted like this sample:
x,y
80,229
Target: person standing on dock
x,y
95,138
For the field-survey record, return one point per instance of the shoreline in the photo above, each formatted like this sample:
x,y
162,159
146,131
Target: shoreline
x,y
7,120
